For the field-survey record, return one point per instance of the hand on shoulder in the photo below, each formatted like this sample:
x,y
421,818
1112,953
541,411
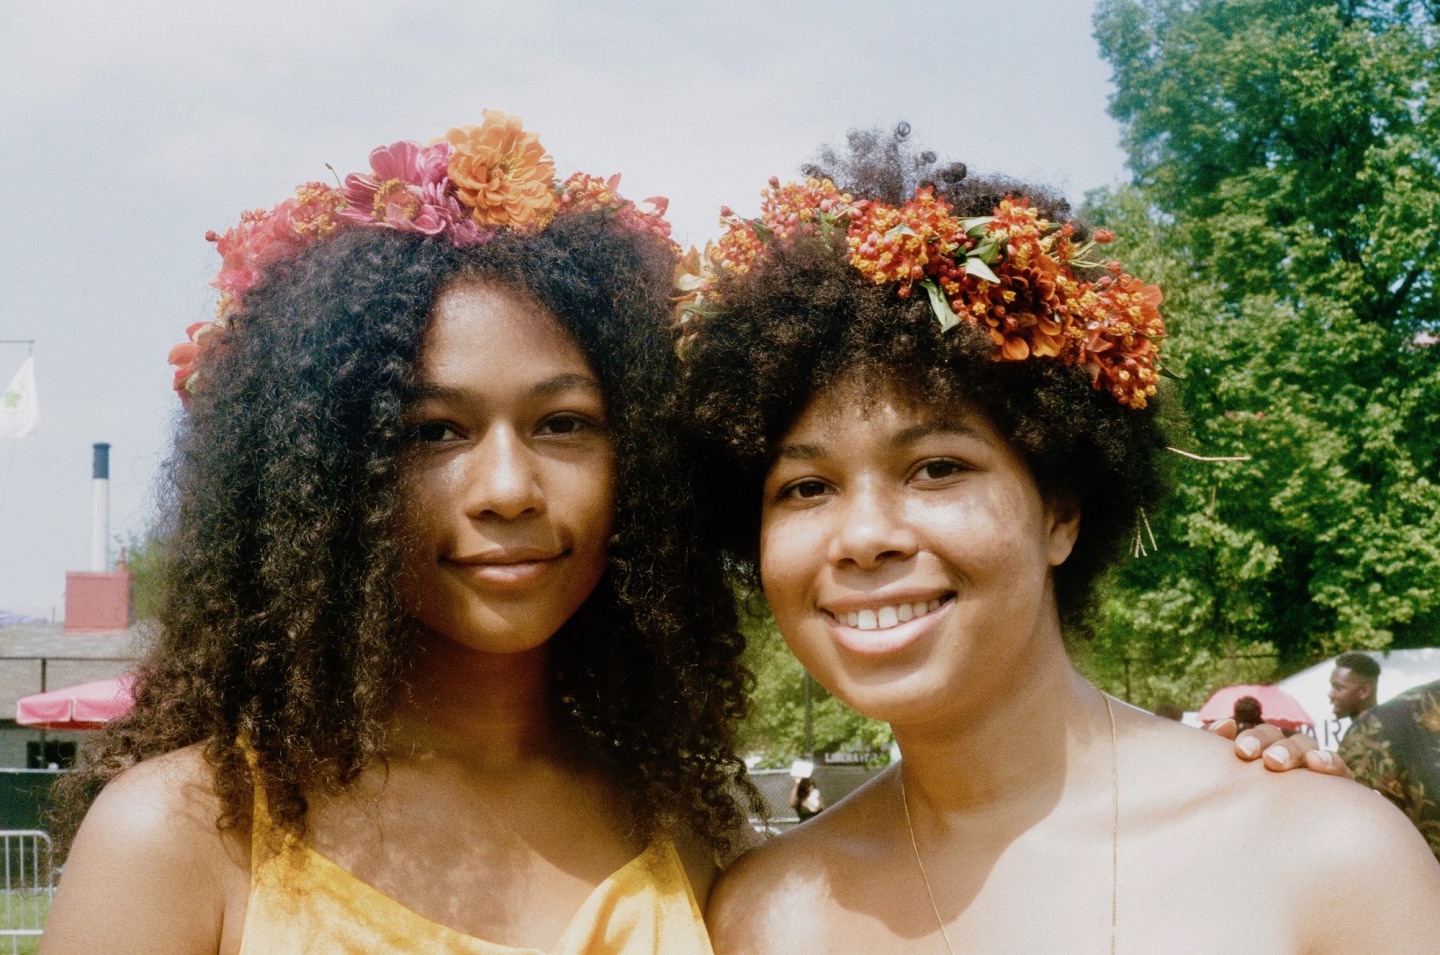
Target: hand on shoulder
x,y
149,870
1350,870
1278,752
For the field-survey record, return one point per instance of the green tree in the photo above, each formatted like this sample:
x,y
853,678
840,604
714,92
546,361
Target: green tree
x,y
1286,180
1293,142
776,728
144,557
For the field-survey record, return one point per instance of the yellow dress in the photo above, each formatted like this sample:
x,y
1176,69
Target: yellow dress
x,y
302,903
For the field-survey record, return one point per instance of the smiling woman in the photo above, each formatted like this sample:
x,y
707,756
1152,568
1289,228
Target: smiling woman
x,y
884,485
435,673
928,410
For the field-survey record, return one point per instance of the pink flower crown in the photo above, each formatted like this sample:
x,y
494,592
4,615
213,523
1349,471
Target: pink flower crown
x,y
1010,273
466,186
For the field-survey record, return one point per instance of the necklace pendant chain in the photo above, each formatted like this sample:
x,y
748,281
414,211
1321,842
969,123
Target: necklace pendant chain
x,y
1114,838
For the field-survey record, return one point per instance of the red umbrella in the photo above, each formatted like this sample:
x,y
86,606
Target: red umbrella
x,y
1276,706
87,706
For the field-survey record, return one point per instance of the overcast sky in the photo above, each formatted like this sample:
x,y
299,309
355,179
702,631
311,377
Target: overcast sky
x,y
128,129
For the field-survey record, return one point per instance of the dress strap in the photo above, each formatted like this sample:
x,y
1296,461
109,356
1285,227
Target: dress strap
x,y
262,838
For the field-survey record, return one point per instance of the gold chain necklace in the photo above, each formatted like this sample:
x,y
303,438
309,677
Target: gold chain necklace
x,y
1114,838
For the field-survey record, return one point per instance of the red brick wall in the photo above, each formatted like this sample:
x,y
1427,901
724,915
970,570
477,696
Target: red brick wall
x,y
97,602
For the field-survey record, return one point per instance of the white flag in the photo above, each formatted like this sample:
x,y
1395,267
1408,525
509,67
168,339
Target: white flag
x,y
19,405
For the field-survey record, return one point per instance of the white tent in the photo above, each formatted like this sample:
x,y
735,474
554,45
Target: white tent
x,y
1399,671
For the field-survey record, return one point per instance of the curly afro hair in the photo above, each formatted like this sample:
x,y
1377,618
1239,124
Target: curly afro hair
x,y
280,625
802,319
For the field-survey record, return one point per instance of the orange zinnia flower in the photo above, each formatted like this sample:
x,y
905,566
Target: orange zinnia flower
x,y
502,174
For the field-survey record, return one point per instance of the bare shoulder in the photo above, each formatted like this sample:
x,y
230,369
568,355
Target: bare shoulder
x,y
166,805
1349,865
1197,773
761,903
149,857
701,862
773,898
1366,879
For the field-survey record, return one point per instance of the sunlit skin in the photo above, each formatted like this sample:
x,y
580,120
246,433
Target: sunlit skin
x,y
1350,693
875,502
896,508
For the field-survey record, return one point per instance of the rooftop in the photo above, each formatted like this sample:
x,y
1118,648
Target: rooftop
x,y
42,656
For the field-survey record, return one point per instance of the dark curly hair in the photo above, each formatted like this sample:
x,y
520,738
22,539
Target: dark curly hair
x,y
280,624
802,319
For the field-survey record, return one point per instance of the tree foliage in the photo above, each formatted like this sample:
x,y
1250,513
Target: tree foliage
x,y
1286,183
144,559
776,729
1294,142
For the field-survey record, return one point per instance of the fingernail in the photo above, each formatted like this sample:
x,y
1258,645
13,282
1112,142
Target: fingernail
x,y
1250,746
1278,753
1326,757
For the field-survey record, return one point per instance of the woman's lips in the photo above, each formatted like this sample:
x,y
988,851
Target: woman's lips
x,y
508,569
885,627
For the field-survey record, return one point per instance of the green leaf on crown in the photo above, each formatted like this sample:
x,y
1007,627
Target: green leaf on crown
x,y
975,227
941,307
976,266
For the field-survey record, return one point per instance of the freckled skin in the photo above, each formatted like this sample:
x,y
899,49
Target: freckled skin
x,y
897,501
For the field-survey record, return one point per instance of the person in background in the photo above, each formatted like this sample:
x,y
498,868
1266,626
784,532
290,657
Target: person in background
x,y
1394,748
805,798
1353,684
1247,713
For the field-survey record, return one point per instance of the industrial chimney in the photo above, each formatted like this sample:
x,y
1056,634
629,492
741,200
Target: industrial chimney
x,y
100,515
98,600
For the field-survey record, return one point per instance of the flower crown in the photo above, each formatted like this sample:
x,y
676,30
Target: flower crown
x,y
467,186
1011,273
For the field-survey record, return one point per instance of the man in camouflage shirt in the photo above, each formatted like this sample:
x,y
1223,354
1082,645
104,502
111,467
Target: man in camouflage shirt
x,y
1395,748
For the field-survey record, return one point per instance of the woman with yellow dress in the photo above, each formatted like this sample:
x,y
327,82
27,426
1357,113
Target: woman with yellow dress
x,y
441,667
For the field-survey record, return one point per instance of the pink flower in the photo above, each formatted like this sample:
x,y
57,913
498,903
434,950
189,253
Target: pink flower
x,y
263,237
186,355
586,193
409,191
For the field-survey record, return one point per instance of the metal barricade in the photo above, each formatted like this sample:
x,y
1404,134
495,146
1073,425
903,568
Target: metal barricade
x,y
29,886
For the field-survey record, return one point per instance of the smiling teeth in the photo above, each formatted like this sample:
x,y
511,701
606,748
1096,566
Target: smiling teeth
x,y
887,617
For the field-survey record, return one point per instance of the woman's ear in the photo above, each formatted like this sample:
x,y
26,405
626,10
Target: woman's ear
x,y
1062,512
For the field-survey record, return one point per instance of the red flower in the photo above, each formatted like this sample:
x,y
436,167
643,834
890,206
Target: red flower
x,y
582,192
408,190
263,237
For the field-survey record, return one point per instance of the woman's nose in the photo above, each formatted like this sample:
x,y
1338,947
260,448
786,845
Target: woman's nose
x,y
871,528
503,479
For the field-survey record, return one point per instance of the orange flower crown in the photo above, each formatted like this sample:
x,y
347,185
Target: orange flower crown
x,y
466,187
1010,273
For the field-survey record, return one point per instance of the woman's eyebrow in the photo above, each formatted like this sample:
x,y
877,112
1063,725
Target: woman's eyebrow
x,y
902,438
565,382
928,429
434,391
799,452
